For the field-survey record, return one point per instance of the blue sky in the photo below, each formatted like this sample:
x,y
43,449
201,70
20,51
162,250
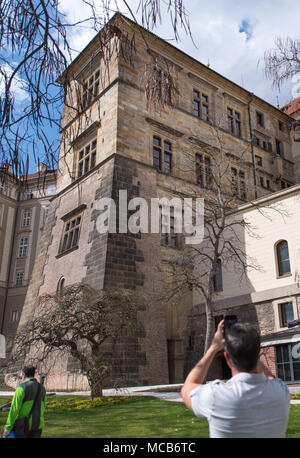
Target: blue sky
x,y
231,35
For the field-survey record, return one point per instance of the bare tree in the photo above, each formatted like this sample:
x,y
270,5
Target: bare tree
x,y
283,61
198,267
77,322
36,43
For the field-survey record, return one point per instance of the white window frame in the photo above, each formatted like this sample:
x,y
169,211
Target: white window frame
x,y
26,218
19,278
23,247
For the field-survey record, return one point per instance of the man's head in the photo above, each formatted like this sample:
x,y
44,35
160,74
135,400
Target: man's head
x,y
28,371
242,344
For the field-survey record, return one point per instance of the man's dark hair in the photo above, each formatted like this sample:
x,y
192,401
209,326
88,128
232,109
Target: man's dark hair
x,y
242,343
28,371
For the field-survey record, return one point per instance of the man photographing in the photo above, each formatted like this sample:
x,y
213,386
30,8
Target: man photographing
x,y
253,403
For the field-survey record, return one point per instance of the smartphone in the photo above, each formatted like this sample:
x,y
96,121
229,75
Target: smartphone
x,y
229,320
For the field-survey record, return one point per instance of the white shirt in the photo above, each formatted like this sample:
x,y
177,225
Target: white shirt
x,y
248,405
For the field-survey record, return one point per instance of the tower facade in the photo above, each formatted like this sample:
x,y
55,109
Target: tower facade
x,y
116,140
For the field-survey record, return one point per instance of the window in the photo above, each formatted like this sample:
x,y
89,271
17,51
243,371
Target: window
x,y
26,218
287,362
234,122
51,188
168,237
2,188
284,184
19,278
14,316
238,184
162,155
279,148
91,89
286,314
260,119
258,161
201,106
283,259
60,285
280,126
23,247
87,158
203,171
70,236
218,278
29,194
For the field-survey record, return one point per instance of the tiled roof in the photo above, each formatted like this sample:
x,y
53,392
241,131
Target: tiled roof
x,y
291,107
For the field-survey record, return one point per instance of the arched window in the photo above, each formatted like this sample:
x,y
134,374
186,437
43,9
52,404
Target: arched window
x,y
218,278
283,258
60,285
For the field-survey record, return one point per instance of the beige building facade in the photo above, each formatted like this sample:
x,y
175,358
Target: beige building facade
x,y
268,295
117,141
23,212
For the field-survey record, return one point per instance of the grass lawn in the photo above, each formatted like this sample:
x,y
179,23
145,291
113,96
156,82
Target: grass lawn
x,y
135,417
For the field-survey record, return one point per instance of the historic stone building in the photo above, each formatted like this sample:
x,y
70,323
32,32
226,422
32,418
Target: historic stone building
x,y
116,139
23,212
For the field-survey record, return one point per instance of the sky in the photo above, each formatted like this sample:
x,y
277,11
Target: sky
x,y
230,35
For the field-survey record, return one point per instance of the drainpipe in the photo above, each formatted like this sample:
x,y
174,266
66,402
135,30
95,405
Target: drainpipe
x,y
252,149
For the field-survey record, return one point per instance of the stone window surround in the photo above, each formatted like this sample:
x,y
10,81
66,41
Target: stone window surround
x,y
68,217
276,306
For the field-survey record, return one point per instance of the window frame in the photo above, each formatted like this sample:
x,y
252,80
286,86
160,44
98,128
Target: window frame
x,y
260,119
23,247
218,277
89,94
26,218
234,122
19,279
238,183
67,243
279,269
203,169
286,363
161,150
86,158
201,100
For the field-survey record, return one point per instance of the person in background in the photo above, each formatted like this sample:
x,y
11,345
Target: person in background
x,y
22,403
253,403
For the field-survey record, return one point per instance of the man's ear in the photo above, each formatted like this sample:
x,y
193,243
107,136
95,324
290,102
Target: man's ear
x,y
228,360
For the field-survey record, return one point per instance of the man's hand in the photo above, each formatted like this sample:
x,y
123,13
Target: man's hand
x,y
197,375
6,433
219,340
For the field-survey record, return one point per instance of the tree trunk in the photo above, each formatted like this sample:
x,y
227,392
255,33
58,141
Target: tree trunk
x,y
96,387
210,326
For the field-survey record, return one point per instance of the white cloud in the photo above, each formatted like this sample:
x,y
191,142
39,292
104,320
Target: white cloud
x,y
231,35
17,88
